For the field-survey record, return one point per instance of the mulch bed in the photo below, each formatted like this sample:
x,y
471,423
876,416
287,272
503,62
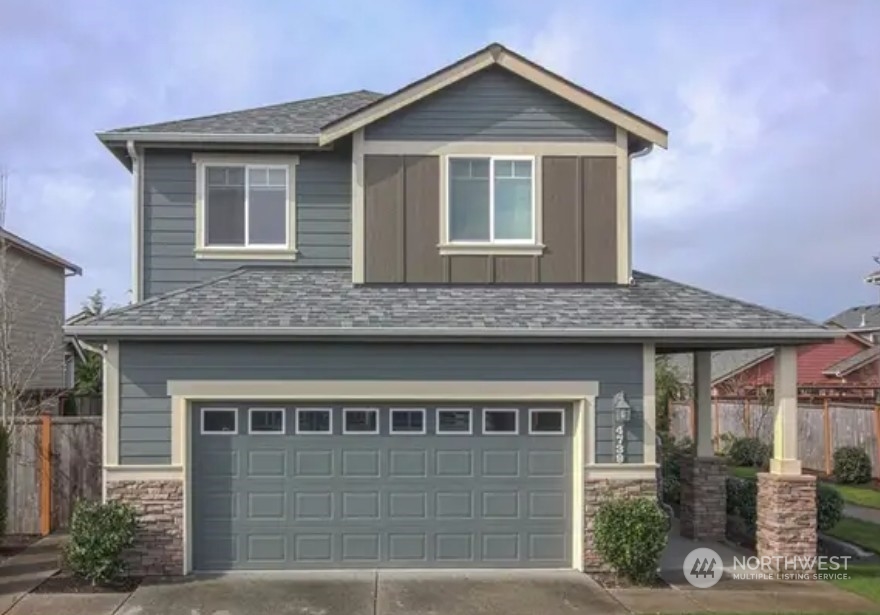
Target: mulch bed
x,y
609,580
64,582
12,544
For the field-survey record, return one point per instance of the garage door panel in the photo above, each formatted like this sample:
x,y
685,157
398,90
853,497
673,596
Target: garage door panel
x,y
337,500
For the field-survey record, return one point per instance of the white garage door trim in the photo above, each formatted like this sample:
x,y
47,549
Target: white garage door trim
x,y
581,394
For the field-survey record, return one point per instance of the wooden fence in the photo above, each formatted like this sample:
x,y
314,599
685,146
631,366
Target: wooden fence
x,y
823,427
53,461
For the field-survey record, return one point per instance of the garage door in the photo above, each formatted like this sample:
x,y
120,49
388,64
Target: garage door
x,y
283,486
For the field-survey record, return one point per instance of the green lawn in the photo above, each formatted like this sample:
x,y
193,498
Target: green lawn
x,y
864,580
744,472
860,495
858,532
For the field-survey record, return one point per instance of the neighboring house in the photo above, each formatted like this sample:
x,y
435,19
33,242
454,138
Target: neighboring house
x,y
32,282
402,330
862,320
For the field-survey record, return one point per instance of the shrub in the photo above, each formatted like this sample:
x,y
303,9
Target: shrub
x,y
631,536
749,452
852,465
670,459
4,452
99,533
742,501
829,507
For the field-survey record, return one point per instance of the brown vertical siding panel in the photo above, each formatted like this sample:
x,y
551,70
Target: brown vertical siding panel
x,y
469,270
599,176
422,193
560,203
383,202
515,269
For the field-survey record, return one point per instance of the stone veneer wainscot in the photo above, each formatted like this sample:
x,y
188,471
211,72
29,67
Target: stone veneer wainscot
x,y
597,491
786,516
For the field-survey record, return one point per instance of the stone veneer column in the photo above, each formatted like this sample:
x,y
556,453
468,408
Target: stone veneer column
x,y
786,517
597,491
703,497
158,546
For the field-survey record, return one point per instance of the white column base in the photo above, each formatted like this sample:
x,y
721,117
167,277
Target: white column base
x,y
785,467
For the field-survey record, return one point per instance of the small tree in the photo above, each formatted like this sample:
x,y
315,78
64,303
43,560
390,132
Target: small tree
x,y
669,387
89,371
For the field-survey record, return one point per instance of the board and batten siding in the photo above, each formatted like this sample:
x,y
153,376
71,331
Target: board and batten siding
x,y
36,314
402,225
492,105
323,218
146,367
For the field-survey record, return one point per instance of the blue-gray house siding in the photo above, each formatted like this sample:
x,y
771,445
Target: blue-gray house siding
x,y
492,105
323,216
145,368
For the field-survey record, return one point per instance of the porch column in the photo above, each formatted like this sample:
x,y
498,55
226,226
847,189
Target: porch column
x,y
703,492
786,498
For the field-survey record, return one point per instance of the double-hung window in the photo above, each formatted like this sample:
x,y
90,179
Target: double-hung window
x,y
245,207
491,200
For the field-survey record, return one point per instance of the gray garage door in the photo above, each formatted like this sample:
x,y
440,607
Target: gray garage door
x,y
283,486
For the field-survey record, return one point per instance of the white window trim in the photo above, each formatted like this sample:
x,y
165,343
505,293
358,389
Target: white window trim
x,y
307,432
440,432
393,432
559,411
515,432
345,430
234,412
250,425
285,251
533,245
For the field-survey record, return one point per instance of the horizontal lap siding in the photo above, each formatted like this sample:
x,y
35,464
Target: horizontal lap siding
x,y
323,201
492,105
145,368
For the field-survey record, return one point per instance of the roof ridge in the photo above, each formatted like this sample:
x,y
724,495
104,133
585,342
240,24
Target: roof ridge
x,y
751,304
247,109
171,293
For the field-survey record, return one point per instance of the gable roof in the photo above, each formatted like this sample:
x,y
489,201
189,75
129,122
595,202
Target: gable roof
x,y
495,55
293,302
34,250
856,361
858,317
291,120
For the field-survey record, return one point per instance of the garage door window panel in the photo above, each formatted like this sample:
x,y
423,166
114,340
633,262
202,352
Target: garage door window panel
x,y
219,421
314,421
408,421
546,422
454,421
266,421
360,421
500,422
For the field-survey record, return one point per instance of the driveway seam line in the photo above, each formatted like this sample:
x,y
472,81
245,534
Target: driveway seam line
x,y
123,603
376,592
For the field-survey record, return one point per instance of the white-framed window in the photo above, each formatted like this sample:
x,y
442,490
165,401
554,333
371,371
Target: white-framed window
x,y
546,421
266,421
500,421
219,421
314,421
360,421
408,421
245,206
454,422
491,200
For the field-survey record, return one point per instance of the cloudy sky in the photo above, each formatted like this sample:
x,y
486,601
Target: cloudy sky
x,y
770,189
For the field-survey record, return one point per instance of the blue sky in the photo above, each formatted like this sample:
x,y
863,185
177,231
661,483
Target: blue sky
x,y
770,189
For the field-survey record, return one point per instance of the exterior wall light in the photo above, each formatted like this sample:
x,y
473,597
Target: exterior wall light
x,y
622,409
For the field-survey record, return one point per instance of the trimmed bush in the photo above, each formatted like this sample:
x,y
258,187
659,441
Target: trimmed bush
x,y
4,453
631,536
829,507
749,452
99,533
670,459
852,466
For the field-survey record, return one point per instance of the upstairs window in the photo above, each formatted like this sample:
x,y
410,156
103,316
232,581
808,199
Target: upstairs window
x,y
491,199
244,206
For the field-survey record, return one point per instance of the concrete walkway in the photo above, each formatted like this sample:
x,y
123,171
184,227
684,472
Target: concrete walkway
x,y
872,515
21,573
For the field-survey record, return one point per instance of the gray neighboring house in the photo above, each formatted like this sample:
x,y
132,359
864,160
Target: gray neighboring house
x,y
32,311
861,320
404,330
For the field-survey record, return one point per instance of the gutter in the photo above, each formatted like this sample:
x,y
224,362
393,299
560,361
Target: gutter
x,y
789,335
136,220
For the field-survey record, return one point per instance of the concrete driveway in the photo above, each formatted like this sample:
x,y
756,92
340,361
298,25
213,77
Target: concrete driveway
x,y
372,593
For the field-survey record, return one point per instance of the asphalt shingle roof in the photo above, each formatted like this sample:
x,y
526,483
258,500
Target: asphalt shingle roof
x,y
858,317
300,117
848,364
276,296
724,362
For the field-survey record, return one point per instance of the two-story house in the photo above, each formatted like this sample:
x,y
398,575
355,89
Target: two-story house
x,y
404,330
33,366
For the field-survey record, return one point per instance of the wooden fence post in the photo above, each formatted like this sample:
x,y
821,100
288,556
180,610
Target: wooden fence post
x,y
877,437
46,475
747,418
826,436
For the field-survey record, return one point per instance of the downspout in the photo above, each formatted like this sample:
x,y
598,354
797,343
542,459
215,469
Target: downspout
x,y
136,221
638,154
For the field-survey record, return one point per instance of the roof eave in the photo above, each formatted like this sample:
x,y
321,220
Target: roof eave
x,y
114,138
